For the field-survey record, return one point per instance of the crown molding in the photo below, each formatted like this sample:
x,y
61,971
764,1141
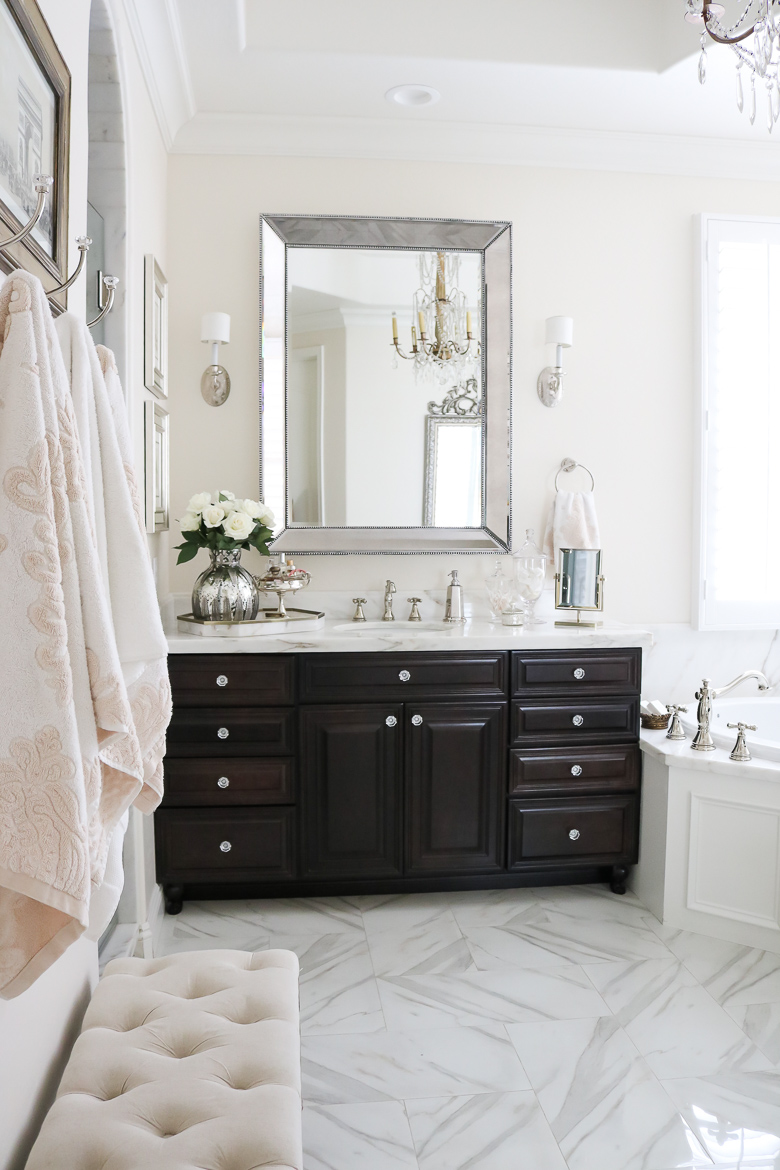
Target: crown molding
x,y
159,45
470,142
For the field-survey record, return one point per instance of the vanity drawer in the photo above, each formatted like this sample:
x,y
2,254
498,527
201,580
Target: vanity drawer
x,y
547,771
241,731
227,782
344,678
191,844
232,680
589,672
574,722
598,830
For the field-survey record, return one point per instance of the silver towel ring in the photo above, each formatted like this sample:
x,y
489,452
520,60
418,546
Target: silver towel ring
x,y
569,465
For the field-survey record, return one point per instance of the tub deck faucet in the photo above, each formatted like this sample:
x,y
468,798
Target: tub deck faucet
x,y
703,741
388,615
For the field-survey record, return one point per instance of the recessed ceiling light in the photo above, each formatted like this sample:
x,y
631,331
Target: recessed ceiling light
x,y
413,95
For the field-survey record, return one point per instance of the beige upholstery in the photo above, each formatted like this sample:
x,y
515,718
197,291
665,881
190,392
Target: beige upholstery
x,y
188,1061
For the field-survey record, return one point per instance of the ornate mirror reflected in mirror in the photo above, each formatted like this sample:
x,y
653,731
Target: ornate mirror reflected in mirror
x,y
385,384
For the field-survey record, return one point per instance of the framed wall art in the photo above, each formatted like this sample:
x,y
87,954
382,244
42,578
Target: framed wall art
x,y
155,328
156,466
34,139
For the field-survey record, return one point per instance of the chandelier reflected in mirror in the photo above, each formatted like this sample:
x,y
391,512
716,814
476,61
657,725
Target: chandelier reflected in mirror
x,y
443,343
754,38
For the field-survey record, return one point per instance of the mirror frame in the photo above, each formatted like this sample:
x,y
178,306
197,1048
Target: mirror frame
x,y
493,241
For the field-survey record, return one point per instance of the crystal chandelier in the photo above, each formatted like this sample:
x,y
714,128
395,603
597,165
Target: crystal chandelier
x,y
445,346
759,20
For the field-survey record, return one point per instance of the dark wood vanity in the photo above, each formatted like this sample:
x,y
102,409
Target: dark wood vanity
x,y
316,774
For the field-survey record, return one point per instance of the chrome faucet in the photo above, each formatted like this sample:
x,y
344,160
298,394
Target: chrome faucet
x,y
703,741
388,616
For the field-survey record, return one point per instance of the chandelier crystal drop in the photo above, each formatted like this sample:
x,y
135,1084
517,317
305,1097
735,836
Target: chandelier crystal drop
x,y
754,38
443,344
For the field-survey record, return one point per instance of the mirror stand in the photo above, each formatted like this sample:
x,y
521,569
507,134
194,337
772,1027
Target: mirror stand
x,y
579,585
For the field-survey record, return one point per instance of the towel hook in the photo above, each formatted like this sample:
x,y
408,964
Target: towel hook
x,y
110,282
569,465
83,243
42,184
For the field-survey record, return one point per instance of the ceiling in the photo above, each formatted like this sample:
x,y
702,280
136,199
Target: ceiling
x,y
606,84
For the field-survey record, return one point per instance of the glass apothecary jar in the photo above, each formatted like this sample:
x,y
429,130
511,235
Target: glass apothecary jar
x,y
498,587
530,569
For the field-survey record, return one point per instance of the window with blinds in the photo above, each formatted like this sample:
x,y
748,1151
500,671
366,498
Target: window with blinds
x,y
738,576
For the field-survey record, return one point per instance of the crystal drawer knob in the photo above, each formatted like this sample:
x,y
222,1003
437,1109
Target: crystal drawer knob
x,y
404,675
416,720
579,673
225,846
577,720
223,782
222,680
223,732
576,770
574,834
391,721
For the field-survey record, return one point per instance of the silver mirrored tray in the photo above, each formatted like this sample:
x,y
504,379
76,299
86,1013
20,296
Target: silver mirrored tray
x,y
266,623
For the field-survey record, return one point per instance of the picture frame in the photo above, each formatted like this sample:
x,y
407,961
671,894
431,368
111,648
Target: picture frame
x,y
35,95
155,328
156,466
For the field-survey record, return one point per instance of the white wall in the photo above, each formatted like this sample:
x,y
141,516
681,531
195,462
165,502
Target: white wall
x,y
615,251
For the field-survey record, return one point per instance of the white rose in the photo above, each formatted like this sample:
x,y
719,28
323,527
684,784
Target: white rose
x,y
199,502
238,526
251,507
225,496
213,516
266,516
190,522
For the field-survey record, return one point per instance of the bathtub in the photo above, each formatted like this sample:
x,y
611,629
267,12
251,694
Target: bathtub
x,y
764,744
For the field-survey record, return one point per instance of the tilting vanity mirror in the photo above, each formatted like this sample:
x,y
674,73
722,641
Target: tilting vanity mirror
x,y
386,384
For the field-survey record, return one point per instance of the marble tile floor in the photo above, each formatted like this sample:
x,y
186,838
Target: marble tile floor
x,y
549,1029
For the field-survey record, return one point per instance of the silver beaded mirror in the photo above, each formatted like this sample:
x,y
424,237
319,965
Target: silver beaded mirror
x,y
385,398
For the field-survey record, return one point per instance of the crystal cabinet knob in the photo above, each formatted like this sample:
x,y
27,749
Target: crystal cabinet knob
x,y
391,721
223,782
223,733
576,770
404,675
225,846
222,680
579,673
416,720
577,720
574,834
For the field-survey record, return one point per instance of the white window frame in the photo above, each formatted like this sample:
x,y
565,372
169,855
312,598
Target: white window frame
x,y
753,615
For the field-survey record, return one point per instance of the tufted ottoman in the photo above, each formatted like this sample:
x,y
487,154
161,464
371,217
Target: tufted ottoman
x,y
188,1061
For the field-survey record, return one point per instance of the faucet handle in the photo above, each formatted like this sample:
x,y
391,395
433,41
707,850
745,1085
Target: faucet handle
x,y
743,726
741,752
359,602
670,707
414,616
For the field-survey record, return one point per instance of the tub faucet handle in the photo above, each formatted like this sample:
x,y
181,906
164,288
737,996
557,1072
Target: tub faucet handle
x,y
741,753
675,729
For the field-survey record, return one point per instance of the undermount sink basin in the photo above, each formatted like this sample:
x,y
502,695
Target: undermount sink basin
x,y
394,628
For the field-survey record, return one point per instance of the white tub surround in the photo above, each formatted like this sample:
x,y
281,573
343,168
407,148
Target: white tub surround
x,y
339,633
709,852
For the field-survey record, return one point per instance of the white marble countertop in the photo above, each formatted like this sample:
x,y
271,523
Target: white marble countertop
x,y
679,754
339,635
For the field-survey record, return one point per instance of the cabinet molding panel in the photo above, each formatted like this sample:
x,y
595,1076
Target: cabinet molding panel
x,y
734,861
552,671
360,678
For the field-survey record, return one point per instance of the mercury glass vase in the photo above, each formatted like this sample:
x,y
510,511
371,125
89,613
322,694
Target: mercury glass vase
x,y
226,591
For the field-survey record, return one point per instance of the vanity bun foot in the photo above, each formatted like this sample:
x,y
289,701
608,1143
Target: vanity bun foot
x,y
617,881
174,899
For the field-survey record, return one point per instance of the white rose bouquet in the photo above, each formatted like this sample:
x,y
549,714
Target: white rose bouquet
x,y
218,521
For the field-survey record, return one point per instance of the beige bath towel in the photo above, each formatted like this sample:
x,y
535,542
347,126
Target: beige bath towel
x,y
572,523
70,762
127,571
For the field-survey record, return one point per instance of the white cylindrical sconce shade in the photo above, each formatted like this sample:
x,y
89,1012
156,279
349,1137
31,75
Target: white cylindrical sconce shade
x,y
559,331
215,327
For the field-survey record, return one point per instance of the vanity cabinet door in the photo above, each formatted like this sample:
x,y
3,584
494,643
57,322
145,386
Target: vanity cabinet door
x,y
455,786
351,763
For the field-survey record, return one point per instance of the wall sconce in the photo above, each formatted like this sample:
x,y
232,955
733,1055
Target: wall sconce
x,y
549,384
215,383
